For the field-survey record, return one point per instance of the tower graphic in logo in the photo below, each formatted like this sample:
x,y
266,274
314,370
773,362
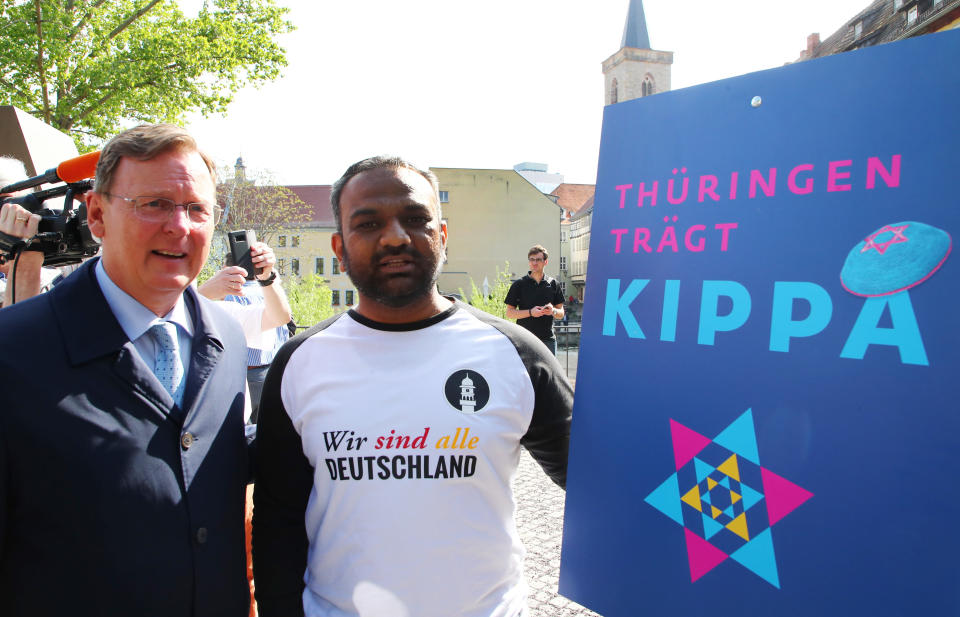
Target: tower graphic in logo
x,y
468,398
726,502
467,391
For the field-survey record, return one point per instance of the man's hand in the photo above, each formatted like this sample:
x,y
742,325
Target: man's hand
x,y
540,311
263,257
228,281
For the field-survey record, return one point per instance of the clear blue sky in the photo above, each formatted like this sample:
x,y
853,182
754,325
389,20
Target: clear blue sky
x,y
451,83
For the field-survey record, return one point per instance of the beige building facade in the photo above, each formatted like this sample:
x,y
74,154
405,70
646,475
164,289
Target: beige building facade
x,y
493,217
580,225
304,248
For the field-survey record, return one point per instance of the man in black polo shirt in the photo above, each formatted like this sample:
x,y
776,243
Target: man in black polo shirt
x,y
536,299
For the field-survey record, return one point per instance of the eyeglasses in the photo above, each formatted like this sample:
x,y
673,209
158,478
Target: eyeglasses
x,y
160,209
535,260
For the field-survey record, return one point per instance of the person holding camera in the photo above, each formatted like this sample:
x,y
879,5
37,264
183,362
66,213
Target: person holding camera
x,y
18,222
261,307
123,455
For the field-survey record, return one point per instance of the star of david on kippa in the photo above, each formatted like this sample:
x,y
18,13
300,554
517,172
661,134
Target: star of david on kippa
x,y
894,258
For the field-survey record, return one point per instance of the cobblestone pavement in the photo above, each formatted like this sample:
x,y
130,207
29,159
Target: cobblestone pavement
x,y
540,521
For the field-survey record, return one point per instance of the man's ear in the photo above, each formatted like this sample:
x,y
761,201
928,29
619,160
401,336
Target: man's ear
x,y
95,204
443,233
336,243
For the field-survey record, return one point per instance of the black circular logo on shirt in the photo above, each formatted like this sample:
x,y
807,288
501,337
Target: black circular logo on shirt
x,y
467,391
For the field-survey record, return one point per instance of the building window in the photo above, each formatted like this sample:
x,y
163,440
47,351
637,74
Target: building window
x,y
335,297
294,240
563,236
613,91
318,265
281,264
563,288
563,263
444,197
858,30
646,88
912,14
335,266
295,267
281,240
349,294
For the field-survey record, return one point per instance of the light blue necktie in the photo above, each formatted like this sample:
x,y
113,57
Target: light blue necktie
x,y
168,367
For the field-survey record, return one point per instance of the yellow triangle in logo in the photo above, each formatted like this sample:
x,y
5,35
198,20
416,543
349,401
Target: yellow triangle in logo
x,y
739,526
734,497
711,483
730,468
692,498
715,511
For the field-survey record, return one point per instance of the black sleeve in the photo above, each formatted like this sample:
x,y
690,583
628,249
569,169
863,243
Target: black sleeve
x,y
548,437
282,489
513,295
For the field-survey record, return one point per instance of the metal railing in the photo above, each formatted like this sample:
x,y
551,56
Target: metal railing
x,y
568,346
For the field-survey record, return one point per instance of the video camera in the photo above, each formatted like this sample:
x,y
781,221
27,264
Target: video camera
x,y
62,235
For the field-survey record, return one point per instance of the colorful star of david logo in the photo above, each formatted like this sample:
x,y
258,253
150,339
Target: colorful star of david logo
x,y
725,501
882,246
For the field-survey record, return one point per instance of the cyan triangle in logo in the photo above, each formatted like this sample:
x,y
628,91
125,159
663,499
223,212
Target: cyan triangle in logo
x,y
758,557
666,498
741,438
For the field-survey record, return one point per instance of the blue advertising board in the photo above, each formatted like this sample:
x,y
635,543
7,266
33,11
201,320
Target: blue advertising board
x,y
766,419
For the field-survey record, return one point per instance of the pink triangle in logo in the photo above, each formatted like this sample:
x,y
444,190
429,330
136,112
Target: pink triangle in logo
x,y
782,495
686,443
702,555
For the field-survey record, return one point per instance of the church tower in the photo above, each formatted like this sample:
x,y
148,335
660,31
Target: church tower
x,y
635,70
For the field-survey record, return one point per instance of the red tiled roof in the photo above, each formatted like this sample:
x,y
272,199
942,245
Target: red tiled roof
x,y
573,197
881,23
317,196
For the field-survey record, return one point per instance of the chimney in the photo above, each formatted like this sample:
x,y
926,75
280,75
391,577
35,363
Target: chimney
x,y
813,41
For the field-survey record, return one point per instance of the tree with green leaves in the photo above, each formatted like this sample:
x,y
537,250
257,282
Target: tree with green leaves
x,y
254,200
309,299
492,302
309,296
93,67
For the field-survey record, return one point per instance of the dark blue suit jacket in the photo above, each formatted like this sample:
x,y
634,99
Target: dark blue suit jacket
x,y
106,506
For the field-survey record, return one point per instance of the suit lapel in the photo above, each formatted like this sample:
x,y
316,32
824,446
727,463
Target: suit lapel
x,y
91,332
131,368
207,350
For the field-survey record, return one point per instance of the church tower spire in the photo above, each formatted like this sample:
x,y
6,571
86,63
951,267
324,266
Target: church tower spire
x,y
636,70
635,30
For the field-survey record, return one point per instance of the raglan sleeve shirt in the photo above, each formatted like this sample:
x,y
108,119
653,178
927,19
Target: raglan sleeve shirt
x,y
285,477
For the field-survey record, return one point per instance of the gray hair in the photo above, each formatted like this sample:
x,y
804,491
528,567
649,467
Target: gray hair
x,y
378,162
11,170
144,143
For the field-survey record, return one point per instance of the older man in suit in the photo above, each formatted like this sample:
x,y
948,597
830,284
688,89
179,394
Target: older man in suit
x,y
123,459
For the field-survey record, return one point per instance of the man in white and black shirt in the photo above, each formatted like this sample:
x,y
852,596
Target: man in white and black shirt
x,y
389,435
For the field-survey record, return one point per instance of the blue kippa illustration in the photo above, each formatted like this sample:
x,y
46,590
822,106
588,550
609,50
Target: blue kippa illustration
x,y
894,258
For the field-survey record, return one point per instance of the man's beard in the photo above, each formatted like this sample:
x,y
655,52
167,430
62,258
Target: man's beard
x,y
376,286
